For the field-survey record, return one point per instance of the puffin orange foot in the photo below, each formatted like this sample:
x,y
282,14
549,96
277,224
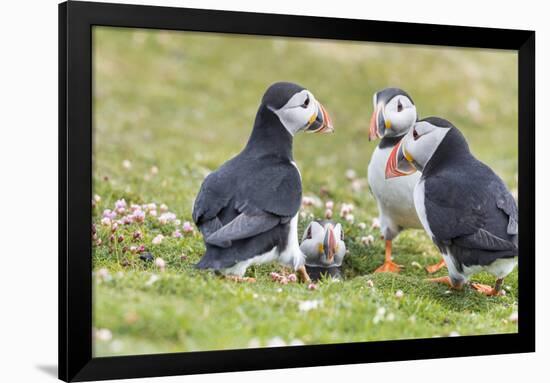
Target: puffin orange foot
x,y
389,267
303,275
486,290
446,281
434,268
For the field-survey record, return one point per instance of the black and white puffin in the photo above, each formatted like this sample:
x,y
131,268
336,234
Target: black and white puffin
x,y
247,210
463,205
324,247
394,114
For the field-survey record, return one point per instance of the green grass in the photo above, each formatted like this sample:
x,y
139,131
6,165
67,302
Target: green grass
x,y
185,103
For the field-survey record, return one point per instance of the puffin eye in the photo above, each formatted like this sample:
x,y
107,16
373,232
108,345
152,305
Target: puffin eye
x,y
399,106
415,134
306,103
308,235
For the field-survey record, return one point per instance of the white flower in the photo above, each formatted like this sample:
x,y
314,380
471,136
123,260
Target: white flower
x,y
254,343
154,170
159,262
276,342
513,317
106,221
97,198
367,240
166,218
296,342
103,334
350,218
152,279
375,223
306,306
163,208
399,294
370,283
351,174
362,225
158,239
126,164
346,209
329,205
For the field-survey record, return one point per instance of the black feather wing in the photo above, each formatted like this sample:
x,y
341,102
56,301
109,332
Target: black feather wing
x,y
471,209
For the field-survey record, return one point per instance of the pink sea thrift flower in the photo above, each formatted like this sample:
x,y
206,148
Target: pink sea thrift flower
x,y
108,213
138,216
375,223
328,214
159,262
177,234
106,221
121,203
167,218
187,227
329,205
158,239
137,234
163,208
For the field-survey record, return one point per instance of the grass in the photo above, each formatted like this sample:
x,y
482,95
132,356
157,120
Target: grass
x,y
183,103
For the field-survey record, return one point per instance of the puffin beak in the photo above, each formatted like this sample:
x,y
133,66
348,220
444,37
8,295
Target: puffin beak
x,y
320,122
400,161
329,245
378,124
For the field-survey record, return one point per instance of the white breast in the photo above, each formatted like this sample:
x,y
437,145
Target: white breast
x,y
421,207
394,195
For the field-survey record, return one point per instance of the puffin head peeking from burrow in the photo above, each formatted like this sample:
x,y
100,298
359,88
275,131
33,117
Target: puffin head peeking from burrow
x,y
247,209
394,114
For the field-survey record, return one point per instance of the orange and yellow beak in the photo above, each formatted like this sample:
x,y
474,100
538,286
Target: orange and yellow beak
x,y
399,162
320,122
329,245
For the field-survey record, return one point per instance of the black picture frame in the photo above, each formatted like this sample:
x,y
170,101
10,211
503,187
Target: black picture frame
x,y
75,189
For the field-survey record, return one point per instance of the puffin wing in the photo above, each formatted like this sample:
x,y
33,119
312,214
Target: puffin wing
x,y
208,204
463,213
243,226
507,204
276,189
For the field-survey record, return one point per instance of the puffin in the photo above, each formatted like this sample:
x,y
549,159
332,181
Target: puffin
x,y
247,209
463,205
393,116
324,247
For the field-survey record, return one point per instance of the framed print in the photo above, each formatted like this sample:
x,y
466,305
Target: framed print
x,y
246,191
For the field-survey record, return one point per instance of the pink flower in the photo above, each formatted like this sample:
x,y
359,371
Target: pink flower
x,y
329,205
292,278
375,223
107,213
138,216
106,221
167,218
121,203
187,227
158,239
163,208
176,234
137,234
159,262
312,286
328,214
346,209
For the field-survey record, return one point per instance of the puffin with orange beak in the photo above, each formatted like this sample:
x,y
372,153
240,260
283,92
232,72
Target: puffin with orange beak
x,y
247,209
394,115
324,247
463,205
